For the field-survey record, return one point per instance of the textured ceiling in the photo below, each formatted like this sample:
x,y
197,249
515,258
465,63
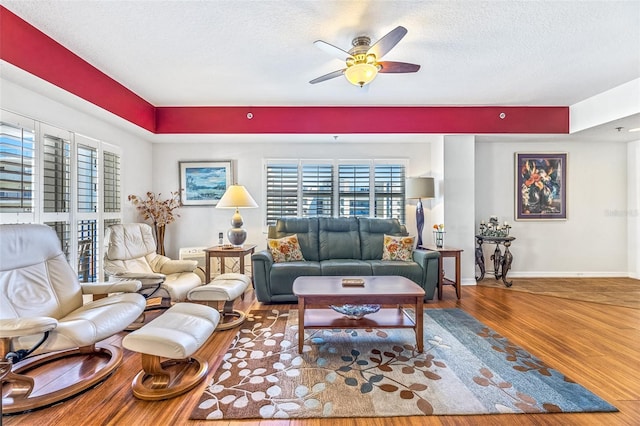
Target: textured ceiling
x,y
243,52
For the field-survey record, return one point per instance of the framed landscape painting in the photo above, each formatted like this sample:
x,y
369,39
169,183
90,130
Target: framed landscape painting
x,y
541,186
203,183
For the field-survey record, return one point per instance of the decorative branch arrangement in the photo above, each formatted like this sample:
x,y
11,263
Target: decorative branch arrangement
x,y
159,211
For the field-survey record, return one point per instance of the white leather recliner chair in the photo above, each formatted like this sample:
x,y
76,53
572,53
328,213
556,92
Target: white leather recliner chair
x,y
131,254
43,318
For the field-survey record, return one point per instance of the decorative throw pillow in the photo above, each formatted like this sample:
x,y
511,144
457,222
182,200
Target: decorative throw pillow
x,y
398,248
286,249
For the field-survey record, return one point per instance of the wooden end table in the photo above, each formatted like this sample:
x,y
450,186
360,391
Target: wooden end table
x,y
222,252
442,280
322,291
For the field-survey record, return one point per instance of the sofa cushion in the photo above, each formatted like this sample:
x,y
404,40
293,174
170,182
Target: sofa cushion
x,y
398,248
345,267
282,275
410,270
307,231
339,238
285,249
372,231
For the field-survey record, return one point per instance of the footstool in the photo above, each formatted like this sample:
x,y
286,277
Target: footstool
x,y
174,335
223,288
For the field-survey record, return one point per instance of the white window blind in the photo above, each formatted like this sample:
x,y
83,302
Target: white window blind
x,y
282,191
56,174
111,182
354,189
87,179
306,188
389,191
317,190
17,163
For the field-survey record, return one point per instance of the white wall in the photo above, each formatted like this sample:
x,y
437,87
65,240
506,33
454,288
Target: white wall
x,y
633,210
199,226
593,239
459,204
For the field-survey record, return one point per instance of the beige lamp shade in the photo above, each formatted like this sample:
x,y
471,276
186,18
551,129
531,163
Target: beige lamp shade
x,y
235,197
419,187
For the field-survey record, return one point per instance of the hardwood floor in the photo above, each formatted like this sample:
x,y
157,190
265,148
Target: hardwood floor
x,y
596,345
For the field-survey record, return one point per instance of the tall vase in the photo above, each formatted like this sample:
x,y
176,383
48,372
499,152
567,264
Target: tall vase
x,y
159,229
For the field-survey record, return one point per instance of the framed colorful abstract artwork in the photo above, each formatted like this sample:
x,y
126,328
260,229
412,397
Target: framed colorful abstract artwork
x,y
541,186
203,183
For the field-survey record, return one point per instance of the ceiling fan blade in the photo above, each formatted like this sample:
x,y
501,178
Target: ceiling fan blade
x,y
332,50
386,43
326,77
397,67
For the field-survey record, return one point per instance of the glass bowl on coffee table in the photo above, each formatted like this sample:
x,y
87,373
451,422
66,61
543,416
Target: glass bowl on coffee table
x,y
355,311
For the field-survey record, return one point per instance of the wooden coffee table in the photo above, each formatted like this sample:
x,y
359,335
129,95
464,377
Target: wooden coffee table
x,y
316,293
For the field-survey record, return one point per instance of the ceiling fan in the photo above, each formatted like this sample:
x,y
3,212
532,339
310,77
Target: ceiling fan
x,y
362,59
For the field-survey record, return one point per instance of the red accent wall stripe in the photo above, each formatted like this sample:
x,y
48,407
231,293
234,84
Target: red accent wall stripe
x,y
362,119
28,48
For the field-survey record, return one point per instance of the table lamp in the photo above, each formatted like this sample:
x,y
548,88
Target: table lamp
x,y
236,197
419,187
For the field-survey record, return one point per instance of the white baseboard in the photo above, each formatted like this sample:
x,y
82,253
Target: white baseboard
x,y
567,274
472,281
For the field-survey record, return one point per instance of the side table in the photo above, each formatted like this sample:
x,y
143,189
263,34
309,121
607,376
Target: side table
x,y
222,252
442,280
501,261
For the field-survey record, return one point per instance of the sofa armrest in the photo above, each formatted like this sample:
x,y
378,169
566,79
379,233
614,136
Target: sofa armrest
x,y
262,262
428,261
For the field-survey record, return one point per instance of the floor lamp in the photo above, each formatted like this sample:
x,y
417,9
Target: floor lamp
x,y
236,197
419,188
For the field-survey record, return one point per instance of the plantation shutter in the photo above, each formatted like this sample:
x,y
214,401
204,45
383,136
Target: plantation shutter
x,y
17,164
111,182
282,192
389,192
353,197
317,190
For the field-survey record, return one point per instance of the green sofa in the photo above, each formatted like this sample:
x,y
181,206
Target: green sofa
x,y
338,246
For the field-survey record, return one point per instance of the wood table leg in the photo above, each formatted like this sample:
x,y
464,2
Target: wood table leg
x,y
440,277
301,303
207,267
419,324
458,288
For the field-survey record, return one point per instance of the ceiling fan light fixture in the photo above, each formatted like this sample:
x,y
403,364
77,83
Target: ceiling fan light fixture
x,y
361,74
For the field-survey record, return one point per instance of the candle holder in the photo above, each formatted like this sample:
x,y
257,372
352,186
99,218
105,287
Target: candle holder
x,y
494,229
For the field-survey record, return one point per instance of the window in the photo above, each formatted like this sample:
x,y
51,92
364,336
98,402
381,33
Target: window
x,y
17,162
87,179
327,189
111,182
317,190
282,191
64,180
353,198
56,174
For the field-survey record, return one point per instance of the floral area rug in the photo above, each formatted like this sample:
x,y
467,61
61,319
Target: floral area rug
x,y
466,368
